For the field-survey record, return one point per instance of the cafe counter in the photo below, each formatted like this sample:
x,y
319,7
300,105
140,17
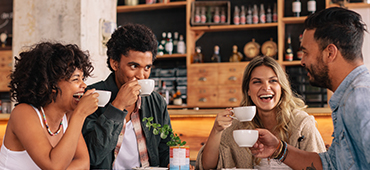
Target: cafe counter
x,y
194,125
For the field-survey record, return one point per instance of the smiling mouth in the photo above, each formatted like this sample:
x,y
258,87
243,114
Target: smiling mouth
x,y
267,96
78,96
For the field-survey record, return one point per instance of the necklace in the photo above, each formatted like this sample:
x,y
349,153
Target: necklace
x,y
47,126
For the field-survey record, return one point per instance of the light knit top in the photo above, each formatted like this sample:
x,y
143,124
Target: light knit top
x,y
231,155
10,160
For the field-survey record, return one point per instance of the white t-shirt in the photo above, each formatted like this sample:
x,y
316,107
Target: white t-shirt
x,y
128,155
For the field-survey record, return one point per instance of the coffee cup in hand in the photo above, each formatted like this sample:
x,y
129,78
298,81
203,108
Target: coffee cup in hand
x,y
147,87
245,138
103,97
244,113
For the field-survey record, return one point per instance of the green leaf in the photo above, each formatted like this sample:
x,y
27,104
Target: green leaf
x,y
155,131
163,136
150,119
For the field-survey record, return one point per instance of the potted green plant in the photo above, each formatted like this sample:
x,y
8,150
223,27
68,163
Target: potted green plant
x,y
179,154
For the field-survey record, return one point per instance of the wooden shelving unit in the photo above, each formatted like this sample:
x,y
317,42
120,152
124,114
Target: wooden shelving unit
x,y
145,7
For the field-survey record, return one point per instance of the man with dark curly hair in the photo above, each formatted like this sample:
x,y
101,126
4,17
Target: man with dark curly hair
x,y
113,140
44,129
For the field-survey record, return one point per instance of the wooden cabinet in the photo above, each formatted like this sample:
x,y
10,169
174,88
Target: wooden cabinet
x,y
215,84
5,69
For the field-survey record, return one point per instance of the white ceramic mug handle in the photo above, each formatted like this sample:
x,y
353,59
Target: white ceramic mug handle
x,y
233,116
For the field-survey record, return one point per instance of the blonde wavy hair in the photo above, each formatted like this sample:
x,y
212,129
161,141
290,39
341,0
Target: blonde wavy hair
x,y
288,102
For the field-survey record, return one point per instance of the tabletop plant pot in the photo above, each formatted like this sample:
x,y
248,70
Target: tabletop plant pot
x,y
179,157
179,154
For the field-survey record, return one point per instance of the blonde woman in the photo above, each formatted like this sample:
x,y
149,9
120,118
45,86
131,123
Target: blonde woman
x,y
266,86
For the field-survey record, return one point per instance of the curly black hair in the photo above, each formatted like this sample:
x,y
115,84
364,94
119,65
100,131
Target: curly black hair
x,y
128,37
38,70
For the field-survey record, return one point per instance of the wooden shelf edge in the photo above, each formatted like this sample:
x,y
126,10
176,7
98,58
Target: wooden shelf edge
x,y
232,27
291,63
171,56
352,5
6,48
294,20
148,7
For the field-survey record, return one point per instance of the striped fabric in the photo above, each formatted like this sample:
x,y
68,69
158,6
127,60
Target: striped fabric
x,y
141,144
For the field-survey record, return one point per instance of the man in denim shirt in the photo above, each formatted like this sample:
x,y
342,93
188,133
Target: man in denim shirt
x,y
332,44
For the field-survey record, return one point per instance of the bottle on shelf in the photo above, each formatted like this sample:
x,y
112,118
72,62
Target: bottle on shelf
x,y
203,17
209,14
3,37
164,92
296,8
300,52
236,16
149,1
181,45
249,16
242,15
163,42
289,50
216,16
198,56
236,56
175,42
223,16
216,58
169,44
160,50
311,6
255,14
262,14
274,14
268,15
197,15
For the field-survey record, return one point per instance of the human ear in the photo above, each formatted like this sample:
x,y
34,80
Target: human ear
x,y
113,64
332,52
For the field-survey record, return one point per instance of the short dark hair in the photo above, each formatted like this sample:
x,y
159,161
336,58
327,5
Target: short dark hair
x,y
342,27
128,37
38,70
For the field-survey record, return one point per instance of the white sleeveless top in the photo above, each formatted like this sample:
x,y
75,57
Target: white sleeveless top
x,y
10,160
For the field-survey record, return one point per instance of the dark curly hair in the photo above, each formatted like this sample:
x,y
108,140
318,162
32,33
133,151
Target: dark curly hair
x,y
134,37
342,27
38,70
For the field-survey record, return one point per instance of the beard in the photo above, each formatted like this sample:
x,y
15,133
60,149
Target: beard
x,y
319,74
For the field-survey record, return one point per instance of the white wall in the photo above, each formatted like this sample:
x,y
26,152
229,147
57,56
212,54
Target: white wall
x,y
65,21
365,13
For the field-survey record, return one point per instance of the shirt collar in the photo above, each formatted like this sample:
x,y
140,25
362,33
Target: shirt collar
x,y
338,94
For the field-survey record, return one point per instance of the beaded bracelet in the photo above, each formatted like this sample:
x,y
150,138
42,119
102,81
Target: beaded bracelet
x,y
285,154
281,157
277,151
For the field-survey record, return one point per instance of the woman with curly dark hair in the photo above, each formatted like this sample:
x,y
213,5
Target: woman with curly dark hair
x,y
47,86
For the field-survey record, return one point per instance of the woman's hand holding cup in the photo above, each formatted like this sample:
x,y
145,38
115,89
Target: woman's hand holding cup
x,y
88,103
223,120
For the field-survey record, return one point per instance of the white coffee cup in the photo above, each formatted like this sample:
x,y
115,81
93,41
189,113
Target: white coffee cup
x,y
245,137
103,98
147,87
244,113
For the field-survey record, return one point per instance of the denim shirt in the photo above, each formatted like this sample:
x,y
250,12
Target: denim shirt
x,y
350,104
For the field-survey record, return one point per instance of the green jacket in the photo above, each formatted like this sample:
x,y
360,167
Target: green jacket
x,y
102,128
